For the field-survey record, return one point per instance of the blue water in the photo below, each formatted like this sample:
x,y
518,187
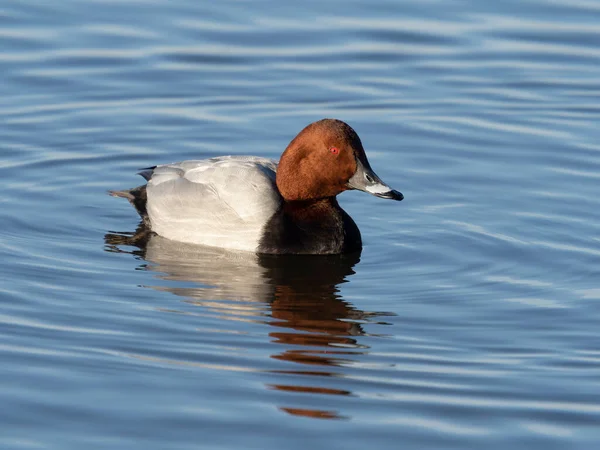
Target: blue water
x,y
469,321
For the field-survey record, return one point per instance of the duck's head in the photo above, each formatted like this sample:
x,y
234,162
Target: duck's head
x,y
325,159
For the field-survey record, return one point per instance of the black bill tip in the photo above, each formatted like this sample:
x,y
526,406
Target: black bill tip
x,y
392,195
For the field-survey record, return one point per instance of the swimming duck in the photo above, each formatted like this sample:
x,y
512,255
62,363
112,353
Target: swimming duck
x,y
256,204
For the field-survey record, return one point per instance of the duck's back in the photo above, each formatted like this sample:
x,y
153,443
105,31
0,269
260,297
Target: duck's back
x,y
222,202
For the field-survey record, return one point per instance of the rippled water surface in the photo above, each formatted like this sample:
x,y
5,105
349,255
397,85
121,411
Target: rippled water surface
x,y
469,321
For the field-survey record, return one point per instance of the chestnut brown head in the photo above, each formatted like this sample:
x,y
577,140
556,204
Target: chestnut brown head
x,y
325,159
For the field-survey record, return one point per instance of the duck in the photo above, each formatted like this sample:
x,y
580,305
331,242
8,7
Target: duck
x,y
255,204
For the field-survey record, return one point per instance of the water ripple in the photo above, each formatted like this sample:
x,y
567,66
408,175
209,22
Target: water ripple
x,y
470,318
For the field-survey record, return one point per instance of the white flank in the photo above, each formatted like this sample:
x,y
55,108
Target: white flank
x,y
221,202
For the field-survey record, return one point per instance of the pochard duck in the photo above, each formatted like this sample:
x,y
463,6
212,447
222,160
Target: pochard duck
x,y
256,204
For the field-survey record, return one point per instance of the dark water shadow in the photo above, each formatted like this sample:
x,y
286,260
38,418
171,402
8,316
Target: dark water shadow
x,y
298,295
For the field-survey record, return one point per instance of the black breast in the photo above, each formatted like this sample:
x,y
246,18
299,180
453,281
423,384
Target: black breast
x,y
310,228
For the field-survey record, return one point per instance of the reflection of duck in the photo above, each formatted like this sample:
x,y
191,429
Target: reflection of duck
x,y
311,319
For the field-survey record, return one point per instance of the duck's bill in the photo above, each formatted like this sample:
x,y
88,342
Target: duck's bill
x,y
391,194
364,179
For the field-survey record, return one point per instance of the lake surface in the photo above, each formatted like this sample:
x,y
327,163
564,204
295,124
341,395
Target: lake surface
x,y
471,318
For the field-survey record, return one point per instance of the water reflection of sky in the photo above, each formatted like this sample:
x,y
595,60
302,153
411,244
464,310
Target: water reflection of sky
x,y
484,114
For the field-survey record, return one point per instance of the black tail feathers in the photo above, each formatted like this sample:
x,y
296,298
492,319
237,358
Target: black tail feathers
x,y
137,197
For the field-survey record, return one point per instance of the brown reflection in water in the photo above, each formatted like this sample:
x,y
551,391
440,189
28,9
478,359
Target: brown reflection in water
x,y
314,413
313,324
308,389
310,311
313,319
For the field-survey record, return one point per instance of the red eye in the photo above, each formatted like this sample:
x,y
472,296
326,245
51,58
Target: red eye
x,y
334,150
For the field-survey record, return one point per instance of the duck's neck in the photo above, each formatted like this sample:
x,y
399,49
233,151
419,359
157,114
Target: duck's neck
x,y
311,227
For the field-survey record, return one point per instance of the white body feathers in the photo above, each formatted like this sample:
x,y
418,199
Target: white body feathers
x,y
221,202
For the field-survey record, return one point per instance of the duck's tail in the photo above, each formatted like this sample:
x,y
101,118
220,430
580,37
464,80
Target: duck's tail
x,y
137,196
138,199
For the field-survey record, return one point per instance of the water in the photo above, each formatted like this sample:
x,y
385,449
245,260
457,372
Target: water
x,y
470,320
